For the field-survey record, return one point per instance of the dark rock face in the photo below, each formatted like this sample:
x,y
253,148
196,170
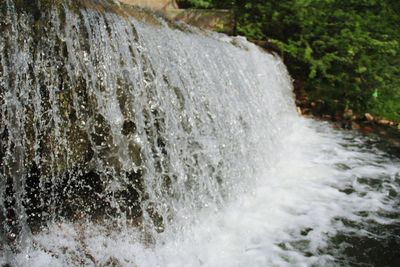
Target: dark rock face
x,y
60,150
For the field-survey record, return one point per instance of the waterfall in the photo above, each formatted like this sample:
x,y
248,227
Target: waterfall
x,y
129,140
106,118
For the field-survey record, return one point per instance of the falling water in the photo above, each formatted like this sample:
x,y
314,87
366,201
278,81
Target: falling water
x,y
128,140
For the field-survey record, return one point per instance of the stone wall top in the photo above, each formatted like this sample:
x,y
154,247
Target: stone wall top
x,y
216,20
152,4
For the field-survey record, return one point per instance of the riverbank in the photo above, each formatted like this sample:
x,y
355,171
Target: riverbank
x,y
387,131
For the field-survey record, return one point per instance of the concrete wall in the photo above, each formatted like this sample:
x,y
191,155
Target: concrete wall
x,y
152,4
215,20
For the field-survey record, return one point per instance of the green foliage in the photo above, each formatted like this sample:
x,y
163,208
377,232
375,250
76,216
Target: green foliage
x,y
346,51
195,3
200,3
224,4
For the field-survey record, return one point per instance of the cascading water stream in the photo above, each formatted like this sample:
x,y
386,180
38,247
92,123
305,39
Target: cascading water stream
x,y
130,141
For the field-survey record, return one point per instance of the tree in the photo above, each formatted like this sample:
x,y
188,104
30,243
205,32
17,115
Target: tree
x,y
345,51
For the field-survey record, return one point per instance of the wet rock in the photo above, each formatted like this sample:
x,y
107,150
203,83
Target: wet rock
x,y
135,153
348,114
355,126
156,217
112,262
368,117
367,129
128,127
130,198
385,122
327,117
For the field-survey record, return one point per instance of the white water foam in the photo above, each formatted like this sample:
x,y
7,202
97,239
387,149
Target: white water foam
x,y
290,211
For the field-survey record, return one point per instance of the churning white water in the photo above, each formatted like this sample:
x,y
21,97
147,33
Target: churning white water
x,y
285,219
125,144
